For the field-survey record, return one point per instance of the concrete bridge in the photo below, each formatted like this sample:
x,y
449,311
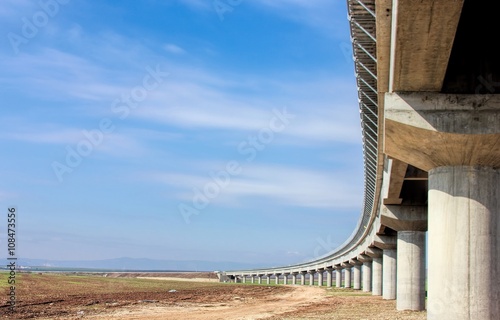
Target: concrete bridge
x,y
428,72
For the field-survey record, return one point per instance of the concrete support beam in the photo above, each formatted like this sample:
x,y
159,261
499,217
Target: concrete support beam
x,y
377,276
347,277
320,278
252,279
356,274
389,274
303,278
329,277
411,270
294,278
285,278
268,279
259,279
243,279
430,130
311,277
366,272
464,243
376,255
277,278
338,277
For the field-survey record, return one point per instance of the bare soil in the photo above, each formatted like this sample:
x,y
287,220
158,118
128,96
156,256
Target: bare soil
x,y
157,296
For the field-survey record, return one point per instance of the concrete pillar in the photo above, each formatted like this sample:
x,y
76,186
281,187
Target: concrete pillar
x,y
252,279
259,279
338,277
389,274
303,278
411,270
367,276
268,279
294,278
377,276
320,278
357,277
311,278
285,279
347,277
329,272
464,243
277,278
243,279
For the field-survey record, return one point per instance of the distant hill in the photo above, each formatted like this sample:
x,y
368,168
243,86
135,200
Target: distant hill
x,y
137,264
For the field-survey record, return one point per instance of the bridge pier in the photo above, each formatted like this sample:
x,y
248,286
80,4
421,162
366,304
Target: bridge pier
x,y
268,278
376,255
356,274
464,230
259,279
389,274
294,278
329,272
285,278
311,277
338,277
347,275
303,278
410,222
456,139
320,278
411,270
366,272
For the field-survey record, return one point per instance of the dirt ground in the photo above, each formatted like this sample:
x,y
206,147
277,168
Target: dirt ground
x,y
156,296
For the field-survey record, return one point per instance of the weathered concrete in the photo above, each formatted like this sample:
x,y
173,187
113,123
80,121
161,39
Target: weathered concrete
x,y
259,279
411,270
443,129
320,278
389,274
285,278
268,279
294,278
243,279
277,279
329,277
464,243
252,279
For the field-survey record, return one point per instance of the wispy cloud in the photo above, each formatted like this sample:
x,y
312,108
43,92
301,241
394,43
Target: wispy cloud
x,y
284,185
172,48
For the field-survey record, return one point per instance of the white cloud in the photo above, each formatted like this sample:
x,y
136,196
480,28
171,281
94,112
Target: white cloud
x,y
172,48
288,186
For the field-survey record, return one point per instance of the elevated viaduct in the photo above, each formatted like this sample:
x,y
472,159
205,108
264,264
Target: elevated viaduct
x,y
428,74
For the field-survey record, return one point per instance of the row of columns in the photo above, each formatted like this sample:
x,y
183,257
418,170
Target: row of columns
x,y
390,273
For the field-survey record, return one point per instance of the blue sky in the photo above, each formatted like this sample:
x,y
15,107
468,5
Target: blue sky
x,y
177,129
